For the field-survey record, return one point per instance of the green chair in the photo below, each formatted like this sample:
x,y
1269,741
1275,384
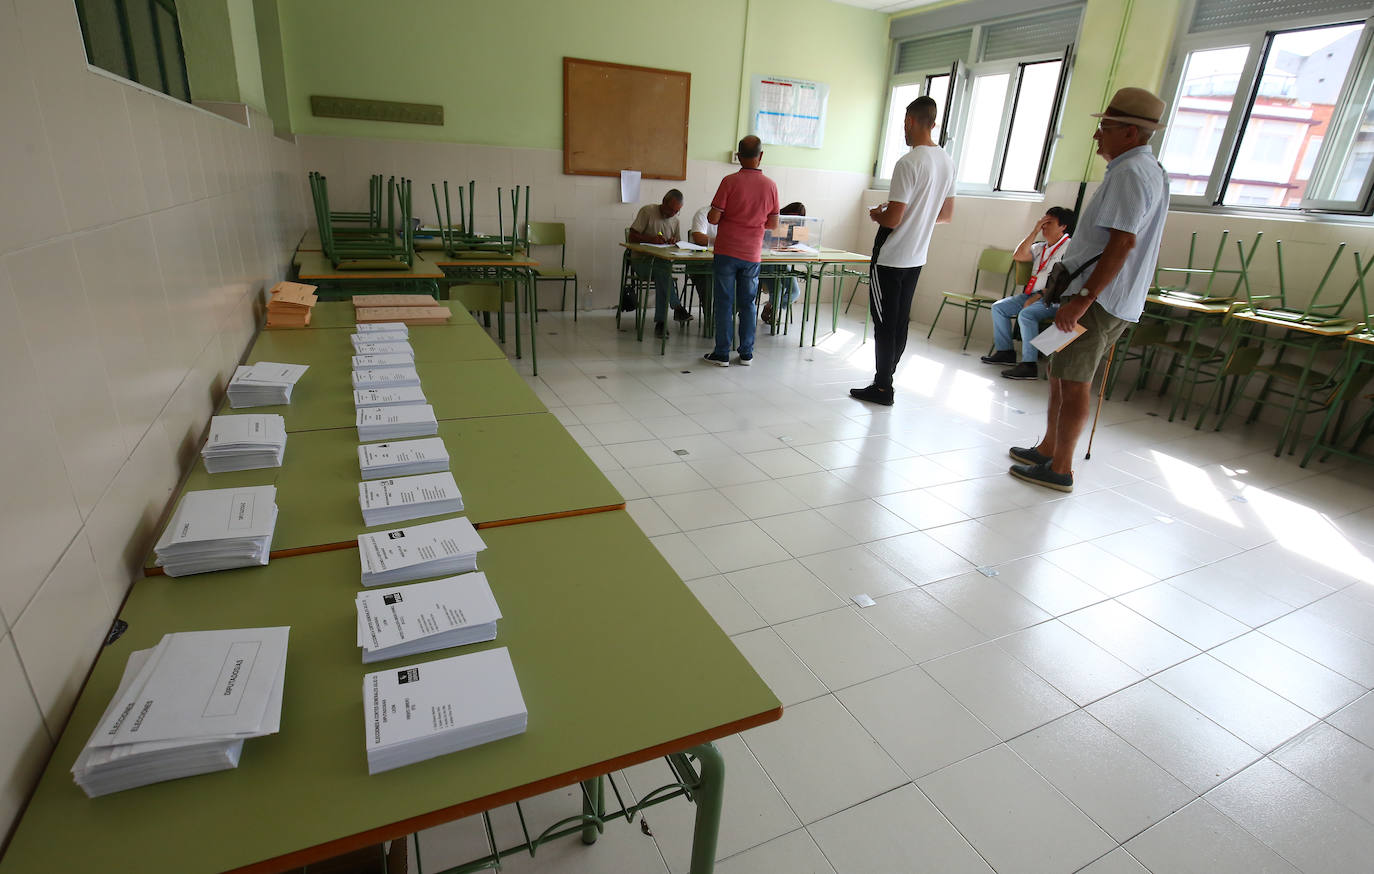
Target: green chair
x,y
553,234
997,262
485,297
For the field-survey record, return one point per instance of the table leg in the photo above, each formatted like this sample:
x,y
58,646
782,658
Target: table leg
x,y
532,289
593,804
500,293
708,795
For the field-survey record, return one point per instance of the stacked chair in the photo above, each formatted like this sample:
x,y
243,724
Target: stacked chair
x,y
375,245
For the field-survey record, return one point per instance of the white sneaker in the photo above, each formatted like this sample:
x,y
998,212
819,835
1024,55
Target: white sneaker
x,y
746,360
710,358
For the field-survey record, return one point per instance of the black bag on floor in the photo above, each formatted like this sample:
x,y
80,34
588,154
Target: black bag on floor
x,y
629,301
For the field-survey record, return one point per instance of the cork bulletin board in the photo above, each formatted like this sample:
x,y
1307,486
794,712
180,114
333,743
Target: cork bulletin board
x,y
618,117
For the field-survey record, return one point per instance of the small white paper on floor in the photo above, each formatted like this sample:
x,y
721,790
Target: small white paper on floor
x,y
863,600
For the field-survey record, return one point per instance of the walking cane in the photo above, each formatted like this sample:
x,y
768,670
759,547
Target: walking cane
x,y
1101,392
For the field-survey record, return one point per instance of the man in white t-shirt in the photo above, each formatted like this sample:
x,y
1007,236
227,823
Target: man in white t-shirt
x,y
702,232
920,197
1029,308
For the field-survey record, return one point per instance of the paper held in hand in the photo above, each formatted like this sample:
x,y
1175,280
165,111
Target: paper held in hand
x,y
1051,340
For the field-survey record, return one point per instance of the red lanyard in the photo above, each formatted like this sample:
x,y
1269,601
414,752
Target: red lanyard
x,y
1045,259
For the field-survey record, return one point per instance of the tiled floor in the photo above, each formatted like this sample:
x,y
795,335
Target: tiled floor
x,y
1168,670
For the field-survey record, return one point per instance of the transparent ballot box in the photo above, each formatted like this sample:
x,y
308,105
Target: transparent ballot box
x,y
795,233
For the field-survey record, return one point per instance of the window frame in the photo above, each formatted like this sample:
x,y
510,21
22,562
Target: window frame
x,y
179,90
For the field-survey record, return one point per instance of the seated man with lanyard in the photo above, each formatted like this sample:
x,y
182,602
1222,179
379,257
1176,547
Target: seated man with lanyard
x,y
1028,309
657,223
789,284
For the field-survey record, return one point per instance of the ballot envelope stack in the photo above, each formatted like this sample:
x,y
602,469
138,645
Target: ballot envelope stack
x,y
399,499
218,529
385,377
396,422
246,442
434,708
393,332
185,707
290,305
264,384
424,617
402,458
432,549
388,397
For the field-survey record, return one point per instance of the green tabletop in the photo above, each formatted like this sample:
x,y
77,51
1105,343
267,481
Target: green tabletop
x,y
566,587
507,468
437,344
314,267
341,314
457,390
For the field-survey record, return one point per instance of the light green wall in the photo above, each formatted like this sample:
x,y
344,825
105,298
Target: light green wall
x,y
496,68
205,37
268,25
247,66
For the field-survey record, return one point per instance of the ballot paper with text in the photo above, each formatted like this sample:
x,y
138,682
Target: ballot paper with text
x,y
422,617
402,457
369,338
383,362
398,347
266,383
389,377
400,499
244,442
383,328
435,708
217,529
396,422
431,549
388,397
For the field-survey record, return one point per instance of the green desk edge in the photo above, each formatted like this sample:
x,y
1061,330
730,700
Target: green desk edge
x,y
341,314
572,591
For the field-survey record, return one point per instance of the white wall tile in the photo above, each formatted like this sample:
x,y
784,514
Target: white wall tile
x,y
27,742
28,187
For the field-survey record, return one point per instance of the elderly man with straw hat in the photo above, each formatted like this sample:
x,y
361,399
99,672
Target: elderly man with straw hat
x,y
1111,261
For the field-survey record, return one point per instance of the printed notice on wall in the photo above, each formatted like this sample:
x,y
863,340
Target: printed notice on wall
x,y
788,112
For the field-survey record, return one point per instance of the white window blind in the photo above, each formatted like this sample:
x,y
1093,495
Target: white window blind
x,y
1043,34
1221,14
932,52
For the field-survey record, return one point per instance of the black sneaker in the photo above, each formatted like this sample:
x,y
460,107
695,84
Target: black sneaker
x,y
719,362
1001,356
745,360
682,314
660,331
1042,475
1028,455
873,395
1023,370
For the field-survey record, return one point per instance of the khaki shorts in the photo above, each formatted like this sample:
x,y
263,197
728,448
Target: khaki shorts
x,y
1077,362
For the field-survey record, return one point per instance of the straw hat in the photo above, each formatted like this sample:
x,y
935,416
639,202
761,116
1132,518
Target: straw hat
x,y
1134,106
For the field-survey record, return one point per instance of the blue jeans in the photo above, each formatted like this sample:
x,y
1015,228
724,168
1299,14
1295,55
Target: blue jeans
x,y
1029,317
737,283
665,286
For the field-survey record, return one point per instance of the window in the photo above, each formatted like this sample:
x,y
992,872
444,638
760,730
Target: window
x,y
1001,88
1276,115
139,40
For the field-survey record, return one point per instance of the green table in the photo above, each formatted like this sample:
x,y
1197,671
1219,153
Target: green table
x,y
432,344
314,268
457,390
566,587
509,469
518,269
341,314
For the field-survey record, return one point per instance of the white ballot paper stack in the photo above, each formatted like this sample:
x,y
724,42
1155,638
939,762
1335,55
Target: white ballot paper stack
x,y
386,347
264,384
245,442
388,501
424,617
185,707
405,458
388,397
386,377
400,334
217,529
434,549
383,328
440,707
395,422
384,362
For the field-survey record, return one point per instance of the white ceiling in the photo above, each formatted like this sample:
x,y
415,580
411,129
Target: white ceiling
x,y
887,5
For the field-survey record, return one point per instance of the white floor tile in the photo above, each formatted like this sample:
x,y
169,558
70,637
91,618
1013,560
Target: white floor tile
x,y
855,570
853,768
1335,763
874,480
820,489
1107,778
607,433
1201,838
641,453
761,499
692,510
1130,637
730,470
1316,689
1235,702
921,626
1357,720
920,558
1231,592
626,484
1325,645
1070,662
1186,617
897,831
738,546
683,555
921,509
986,604
650,517
1007,696
916,721
1047,586
790,679
795,853
841,648
866,520
669,479
1098,568
784,591
726,605
806,532
1030,828
1118,861
782,462
1185,743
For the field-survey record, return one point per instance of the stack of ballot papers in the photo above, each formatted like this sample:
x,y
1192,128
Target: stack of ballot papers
x,y
185,707
264,384
372,338
396,422
384,328
291,305
393,300
217,529
424,617
387,377
427,315
384,362
245,442
434,549
400,499
388,397
384,347
439,707
406,458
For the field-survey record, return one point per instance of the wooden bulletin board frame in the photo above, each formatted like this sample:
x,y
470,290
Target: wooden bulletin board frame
x,y
620,117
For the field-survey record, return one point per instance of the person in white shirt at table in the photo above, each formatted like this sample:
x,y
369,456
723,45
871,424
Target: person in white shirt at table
x,y
1029,309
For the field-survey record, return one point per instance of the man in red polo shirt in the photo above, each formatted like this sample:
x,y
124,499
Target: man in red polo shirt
x,y
745,204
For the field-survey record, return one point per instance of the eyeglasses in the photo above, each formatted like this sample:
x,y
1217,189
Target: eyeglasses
x,y
1105,125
